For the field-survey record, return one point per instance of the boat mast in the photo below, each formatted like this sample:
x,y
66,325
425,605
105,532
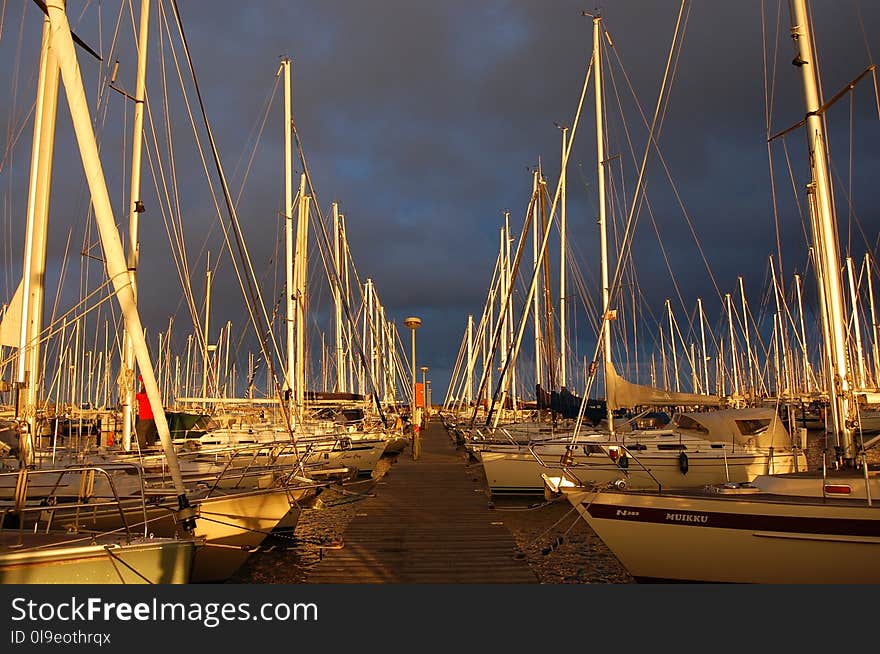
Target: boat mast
x,y
563,377
206,347
117,272
337,301
469,390
603,229
34,267
733,353
751,386
874,326
503,291
508,318
300,281
705,366
853,297
808,384
288,231
825,239
536,299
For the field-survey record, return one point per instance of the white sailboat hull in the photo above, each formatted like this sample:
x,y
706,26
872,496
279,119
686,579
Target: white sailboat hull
x,y
517,470
723,539
143,561
232,525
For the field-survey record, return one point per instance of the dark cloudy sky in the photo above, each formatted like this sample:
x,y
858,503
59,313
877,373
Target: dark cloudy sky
x,y
423,120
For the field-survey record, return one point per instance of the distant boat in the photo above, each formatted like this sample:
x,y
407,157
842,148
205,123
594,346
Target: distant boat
x,y
817,526
698,448
721,445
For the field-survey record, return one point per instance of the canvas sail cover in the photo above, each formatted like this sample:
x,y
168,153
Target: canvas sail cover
x,y
621,394
568,405
10,325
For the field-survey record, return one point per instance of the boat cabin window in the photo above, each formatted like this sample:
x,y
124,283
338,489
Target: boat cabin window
x,y
590,448
637,447
671,446
753,427
686,422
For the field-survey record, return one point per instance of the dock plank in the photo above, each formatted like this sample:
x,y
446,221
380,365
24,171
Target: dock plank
x,y
428,521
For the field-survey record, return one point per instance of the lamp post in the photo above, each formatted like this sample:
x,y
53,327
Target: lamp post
x,y
424,370
413,323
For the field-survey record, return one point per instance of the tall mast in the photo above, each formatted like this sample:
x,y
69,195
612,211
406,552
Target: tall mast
x,y
135,207
349,369
672,342
874,326
337,301
469,390
750,387
536,299
783,352
603,228
733,354
860,380
290,371
808,382
34,268
705,365
300,269
206,347
825,239
503,291
508,319
117,272
563,245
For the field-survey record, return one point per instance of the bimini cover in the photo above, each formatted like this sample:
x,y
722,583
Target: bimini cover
x,y
757,426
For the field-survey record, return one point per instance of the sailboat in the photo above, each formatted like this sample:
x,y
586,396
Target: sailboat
x,y
227,505
35,553
723,445
818,526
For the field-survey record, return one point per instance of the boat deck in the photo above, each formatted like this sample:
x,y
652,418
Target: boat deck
x,y
428,522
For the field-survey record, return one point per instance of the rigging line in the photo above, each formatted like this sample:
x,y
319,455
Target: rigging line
x,y
769,93
71,316
797,196
176,226
853,217
178,260
511,354
628,232
328,247
15,134
103,80
173,227
16,79
236,230
262,126
653,139
252,292
482,329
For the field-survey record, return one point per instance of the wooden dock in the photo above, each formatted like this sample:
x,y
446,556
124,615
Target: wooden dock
x,y
429,522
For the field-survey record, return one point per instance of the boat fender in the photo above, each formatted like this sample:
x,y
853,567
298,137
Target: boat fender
x,y
683,463
623,461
